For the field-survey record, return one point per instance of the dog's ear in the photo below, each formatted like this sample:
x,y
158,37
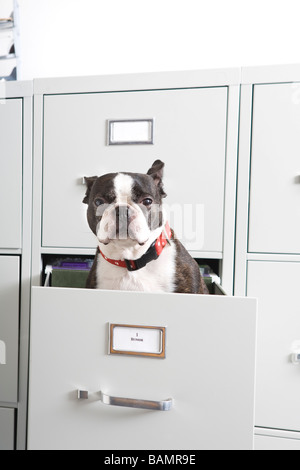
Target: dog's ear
x,y
89,181
157,172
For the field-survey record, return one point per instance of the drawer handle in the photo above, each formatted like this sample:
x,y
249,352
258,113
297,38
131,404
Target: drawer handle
x,y
164,405
295,357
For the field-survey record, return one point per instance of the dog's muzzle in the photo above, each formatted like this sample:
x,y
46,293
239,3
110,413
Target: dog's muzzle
x,y
122,222
124,216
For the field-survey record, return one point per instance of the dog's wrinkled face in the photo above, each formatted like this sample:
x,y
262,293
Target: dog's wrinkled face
x,y
125,206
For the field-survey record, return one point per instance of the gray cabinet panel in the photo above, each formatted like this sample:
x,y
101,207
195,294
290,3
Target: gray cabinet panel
x,y
7,425
9,324
11,173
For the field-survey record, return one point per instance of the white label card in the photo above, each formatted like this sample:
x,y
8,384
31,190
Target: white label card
x,y
130,132
137,340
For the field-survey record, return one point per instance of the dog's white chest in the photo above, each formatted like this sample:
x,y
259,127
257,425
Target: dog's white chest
x,y
157,276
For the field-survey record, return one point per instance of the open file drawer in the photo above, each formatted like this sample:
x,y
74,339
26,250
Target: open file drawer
x,y
201,393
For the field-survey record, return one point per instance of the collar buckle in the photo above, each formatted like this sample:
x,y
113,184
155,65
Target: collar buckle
x,y
130,265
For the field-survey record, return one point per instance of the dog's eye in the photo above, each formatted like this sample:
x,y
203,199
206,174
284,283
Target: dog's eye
x,y
98,202
147,201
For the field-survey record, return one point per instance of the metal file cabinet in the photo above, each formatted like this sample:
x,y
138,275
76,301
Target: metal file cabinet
x,y
268,243
200,394
15,258
11,120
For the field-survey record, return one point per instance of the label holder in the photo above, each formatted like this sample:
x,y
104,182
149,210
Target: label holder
x,y
137,340
130,132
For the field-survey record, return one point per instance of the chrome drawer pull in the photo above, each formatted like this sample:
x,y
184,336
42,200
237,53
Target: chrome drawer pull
x,y
295,357
82,394
164,405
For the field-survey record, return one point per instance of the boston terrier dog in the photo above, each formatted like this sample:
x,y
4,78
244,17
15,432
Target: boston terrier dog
x,y
137,250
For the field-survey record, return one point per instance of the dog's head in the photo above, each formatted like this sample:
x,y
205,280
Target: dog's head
x,y
125,206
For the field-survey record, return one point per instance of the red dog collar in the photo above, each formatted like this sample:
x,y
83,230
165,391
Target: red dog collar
x,y
151,254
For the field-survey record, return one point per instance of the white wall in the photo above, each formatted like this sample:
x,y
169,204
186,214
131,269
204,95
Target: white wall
x,y
90,37
6,39
6,7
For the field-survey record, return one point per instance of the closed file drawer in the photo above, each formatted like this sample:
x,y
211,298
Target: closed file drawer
x,y
7,429
188,133
204,383
9,328
278,378
275,443
274,220
11,173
